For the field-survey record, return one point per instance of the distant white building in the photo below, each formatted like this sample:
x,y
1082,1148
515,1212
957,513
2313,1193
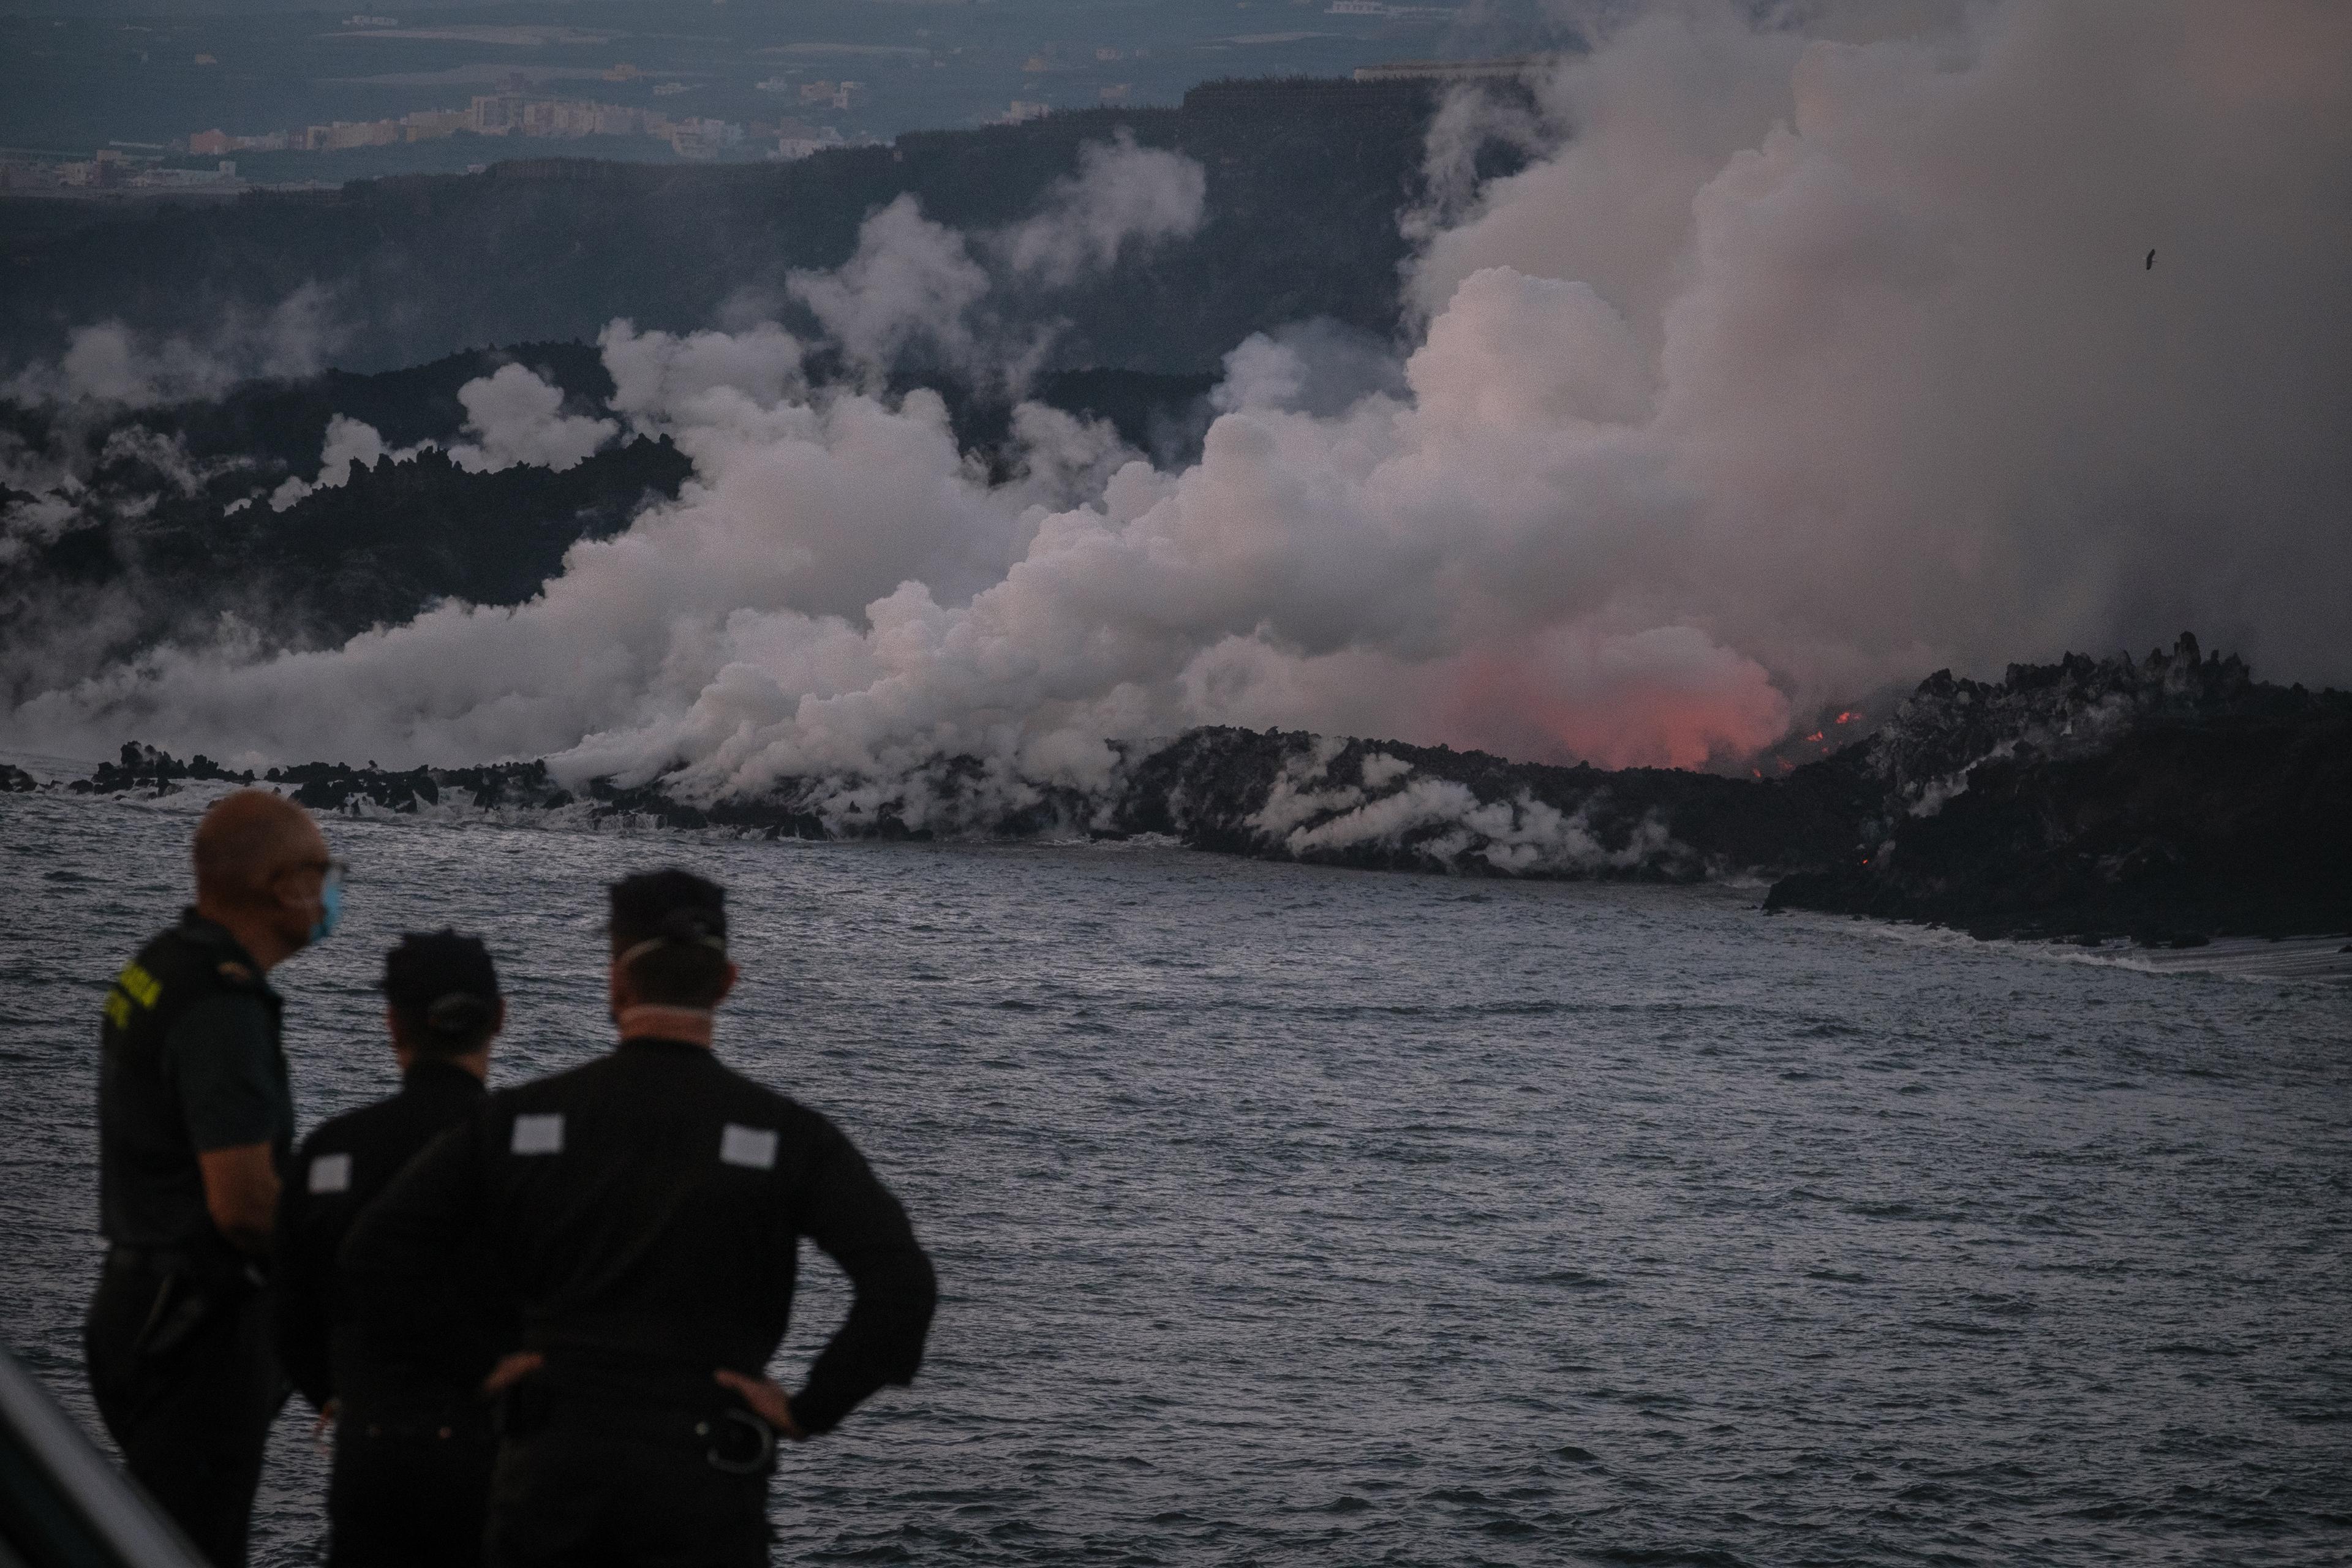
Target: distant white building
x,y
796,139
838,95
703,138
181,179
432,125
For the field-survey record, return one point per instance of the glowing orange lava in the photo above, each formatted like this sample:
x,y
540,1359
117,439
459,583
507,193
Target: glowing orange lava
x,y
1570,696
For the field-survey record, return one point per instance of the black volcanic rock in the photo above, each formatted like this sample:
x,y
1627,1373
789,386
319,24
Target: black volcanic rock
x,y
1382,806
2167,800
144,767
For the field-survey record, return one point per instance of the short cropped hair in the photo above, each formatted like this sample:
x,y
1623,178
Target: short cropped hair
x,y
443,991
669,929
246,838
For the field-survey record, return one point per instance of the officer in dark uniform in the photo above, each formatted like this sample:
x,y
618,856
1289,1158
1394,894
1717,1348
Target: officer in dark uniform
x,y
194,1124
413,1438
646,1211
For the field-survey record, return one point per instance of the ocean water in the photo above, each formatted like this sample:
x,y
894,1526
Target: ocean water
x,y
1298,1216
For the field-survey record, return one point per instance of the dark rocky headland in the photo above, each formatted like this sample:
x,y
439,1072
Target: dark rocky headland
x,y
2169,800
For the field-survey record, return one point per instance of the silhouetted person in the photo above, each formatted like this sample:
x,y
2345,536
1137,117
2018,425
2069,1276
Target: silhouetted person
x,y
412,1439
646,1211
194,1122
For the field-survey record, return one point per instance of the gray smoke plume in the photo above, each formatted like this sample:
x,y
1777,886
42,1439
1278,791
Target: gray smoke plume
x,y
1791,366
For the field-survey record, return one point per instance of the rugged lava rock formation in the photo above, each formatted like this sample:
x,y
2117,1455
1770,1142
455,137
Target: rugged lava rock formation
x,y
2169,800
1386,806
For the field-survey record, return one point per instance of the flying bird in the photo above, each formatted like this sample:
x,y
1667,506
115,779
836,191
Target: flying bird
x,y
2151,262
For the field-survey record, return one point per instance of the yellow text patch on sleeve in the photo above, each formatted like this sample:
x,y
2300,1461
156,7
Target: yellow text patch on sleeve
x,y
141,986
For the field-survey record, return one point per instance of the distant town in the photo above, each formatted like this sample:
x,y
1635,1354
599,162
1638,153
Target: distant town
x,y
207,161
513,110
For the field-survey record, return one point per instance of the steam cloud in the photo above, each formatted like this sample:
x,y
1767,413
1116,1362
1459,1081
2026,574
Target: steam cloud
x,y
517,417
109,363
914,284
1789,367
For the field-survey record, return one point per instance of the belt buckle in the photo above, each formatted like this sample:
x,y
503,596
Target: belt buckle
x,y
764,1441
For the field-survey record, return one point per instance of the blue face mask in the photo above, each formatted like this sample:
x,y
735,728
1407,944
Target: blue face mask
x,y
331,906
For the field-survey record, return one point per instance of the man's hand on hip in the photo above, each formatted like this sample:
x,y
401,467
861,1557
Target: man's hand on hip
x,y
768,1402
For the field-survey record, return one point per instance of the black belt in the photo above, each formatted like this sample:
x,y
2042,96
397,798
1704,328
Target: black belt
x,y
731,1437
474,1427
416,1412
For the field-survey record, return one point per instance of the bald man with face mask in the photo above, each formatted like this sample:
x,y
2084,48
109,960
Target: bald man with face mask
x,y
195,1123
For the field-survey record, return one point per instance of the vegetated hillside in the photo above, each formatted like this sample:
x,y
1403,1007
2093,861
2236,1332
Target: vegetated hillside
x,y
149,524
1305,185
390,541
120,529
276,427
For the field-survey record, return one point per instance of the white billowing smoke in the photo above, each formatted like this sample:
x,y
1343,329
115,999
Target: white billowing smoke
x,y
1794,367
911,280
1122,194
662,381
515,416
1916,391
109,363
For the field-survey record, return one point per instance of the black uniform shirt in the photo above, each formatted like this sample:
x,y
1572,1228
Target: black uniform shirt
x,y
644,1212
189,1062
339,1170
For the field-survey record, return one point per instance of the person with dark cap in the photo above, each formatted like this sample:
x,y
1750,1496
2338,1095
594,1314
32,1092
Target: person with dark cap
x,y
646,1210
195,1120
412,1441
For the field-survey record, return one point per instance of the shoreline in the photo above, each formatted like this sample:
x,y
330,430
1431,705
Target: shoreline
x,y
2308,958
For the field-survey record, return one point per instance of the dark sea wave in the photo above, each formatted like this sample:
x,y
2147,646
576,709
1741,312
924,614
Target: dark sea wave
x,y
1292,1215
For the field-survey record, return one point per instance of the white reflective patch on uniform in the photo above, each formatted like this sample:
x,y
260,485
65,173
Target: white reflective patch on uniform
x,y
331,1173
538,1134
753,1148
